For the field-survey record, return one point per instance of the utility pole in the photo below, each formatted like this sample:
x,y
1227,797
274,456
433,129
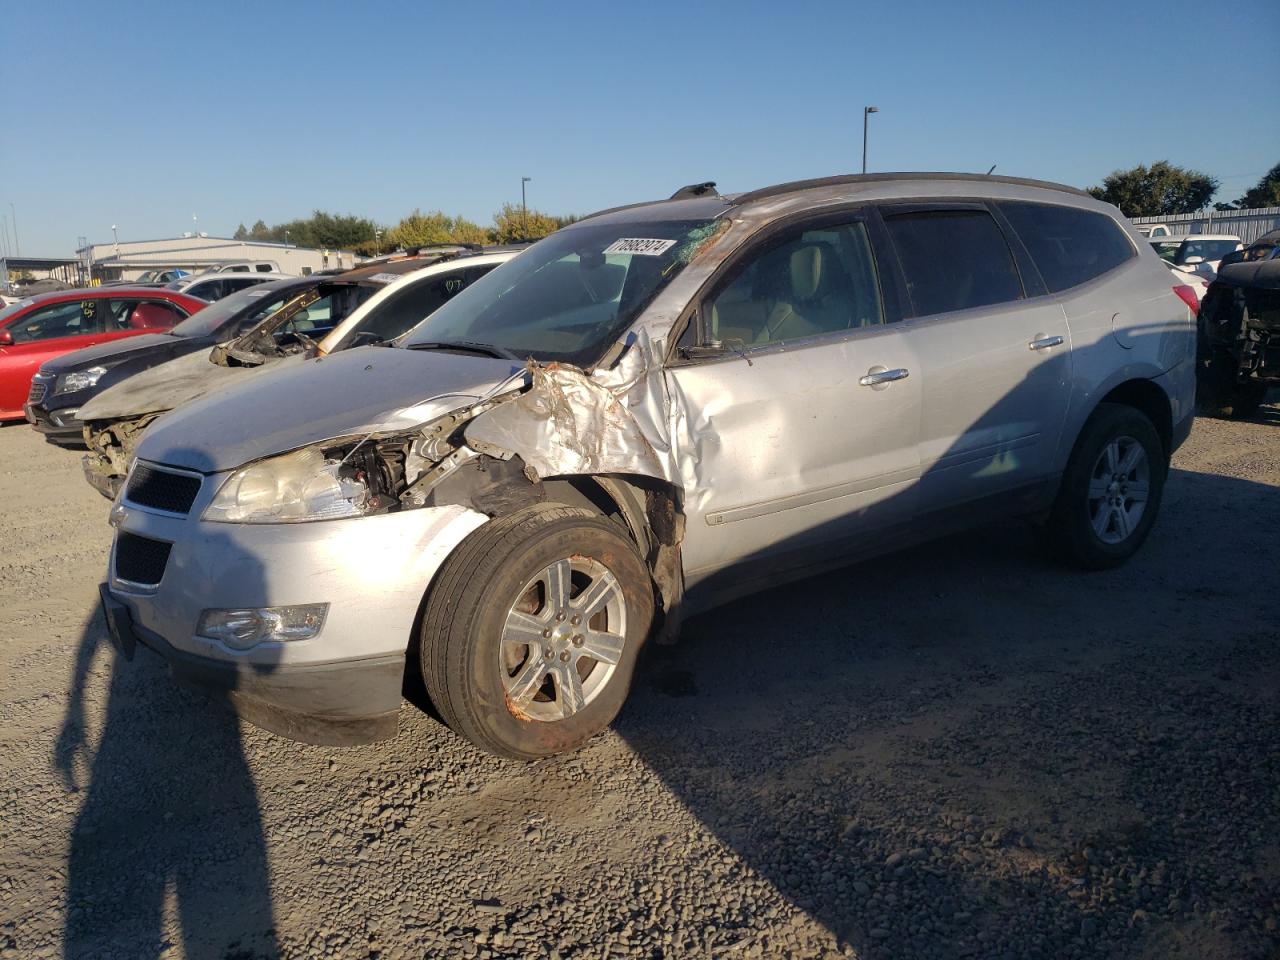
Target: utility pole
x,y
115,240
17,247
866,114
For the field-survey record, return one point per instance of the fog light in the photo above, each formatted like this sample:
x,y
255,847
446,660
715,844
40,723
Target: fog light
x,y
245,627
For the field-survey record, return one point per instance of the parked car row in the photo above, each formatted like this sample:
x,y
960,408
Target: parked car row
x,y
503,472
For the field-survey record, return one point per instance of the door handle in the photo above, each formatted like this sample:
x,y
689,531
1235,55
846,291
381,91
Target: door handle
x,y
1041,342
882,377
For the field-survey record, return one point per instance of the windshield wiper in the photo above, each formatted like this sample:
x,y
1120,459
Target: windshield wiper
x,y
465,346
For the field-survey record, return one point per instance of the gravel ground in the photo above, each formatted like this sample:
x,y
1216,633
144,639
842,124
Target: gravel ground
x,y
960,751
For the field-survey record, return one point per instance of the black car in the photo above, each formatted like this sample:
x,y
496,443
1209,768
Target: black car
x,y
70,380
1238,350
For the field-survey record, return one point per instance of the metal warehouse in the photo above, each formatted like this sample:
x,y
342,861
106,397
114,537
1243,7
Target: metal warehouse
x,y
127,260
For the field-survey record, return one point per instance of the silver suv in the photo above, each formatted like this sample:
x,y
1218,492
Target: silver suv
x,y
650,412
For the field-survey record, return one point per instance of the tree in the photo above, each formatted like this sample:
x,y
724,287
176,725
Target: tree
x,y
512,224
241,233
259,231
423,229
1157,191
1266,193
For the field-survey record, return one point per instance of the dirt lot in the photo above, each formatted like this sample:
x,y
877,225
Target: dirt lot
x,y
961,751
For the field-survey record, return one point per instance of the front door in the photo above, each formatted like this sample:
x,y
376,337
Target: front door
x,y
800,433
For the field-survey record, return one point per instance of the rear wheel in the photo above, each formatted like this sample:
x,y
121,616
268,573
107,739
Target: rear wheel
x,y
1111,489
531,632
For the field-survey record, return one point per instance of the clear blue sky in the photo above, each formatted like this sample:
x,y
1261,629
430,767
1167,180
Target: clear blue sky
x,y
143,114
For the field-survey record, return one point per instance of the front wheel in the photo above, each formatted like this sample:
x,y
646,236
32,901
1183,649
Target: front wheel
x,y
1111,489
532,629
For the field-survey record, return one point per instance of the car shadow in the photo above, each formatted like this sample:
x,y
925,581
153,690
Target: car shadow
x,y
170,827
910,749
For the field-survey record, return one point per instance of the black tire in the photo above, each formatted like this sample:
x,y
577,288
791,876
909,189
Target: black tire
x,y
467,609
1070,533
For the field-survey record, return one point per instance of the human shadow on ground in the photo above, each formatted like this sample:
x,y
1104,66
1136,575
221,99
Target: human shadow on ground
x,y
170,816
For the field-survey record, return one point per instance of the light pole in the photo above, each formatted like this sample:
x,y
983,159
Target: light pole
x,y
286,239
115,240
377,241
866,114
17,247
524,208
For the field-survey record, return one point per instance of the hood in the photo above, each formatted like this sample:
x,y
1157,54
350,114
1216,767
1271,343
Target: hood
x,y
288,405
112,351
162,387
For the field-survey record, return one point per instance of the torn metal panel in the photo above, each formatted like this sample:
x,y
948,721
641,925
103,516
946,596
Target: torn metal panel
x,y
571,422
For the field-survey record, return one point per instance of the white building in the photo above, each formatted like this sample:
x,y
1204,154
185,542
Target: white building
x,y
127,260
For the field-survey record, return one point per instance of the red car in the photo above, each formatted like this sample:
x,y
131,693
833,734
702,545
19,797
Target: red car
x,y
39,328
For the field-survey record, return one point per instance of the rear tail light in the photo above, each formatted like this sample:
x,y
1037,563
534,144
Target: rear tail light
x,y
1188,295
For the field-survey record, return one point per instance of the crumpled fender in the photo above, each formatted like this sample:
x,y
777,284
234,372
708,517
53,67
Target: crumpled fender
x,y
571,422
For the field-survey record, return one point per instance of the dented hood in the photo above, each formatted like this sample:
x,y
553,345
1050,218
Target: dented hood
x,y
291,405
163,387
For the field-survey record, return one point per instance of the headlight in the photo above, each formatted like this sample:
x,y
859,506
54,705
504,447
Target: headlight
x,y
78,380
293,488
247,627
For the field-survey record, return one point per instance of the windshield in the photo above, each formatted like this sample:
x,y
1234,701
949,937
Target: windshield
x,y
569,296
225,316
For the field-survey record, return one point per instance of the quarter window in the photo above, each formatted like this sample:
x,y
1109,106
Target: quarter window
x,y
953,260
820,281
1069,246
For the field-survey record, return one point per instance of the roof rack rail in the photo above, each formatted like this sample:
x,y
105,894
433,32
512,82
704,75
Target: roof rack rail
x,y
696,190
857,178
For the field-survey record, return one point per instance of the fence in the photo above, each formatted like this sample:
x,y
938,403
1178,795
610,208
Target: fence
x,y
1248,225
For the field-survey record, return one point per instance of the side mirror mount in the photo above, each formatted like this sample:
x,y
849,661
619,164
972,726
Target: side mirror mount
x,y
6,338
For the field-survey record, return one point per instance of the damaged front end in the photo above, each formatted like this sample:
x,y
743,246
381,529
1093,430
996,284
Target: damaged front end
x,y
557,435
111,451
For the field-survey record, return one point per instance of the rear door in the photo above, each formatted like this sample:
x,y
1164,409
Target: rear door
x,y
996,348
800,411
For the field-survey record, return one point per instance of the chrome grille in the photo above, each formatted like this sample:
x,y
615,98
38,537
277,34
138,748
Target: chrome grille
x,y
162,489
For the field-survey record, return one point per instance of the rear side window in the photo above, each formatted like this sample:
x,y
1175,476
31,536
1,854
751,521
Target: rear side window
x,y
1069,246
953,260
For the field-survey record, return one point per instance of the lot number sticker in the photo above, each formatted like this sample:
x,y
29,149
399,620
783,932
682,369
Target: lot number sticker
x,y
640,246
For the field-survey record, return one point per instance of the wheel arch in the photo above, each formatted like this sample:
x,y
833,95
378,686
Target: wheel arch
x,y
1148,398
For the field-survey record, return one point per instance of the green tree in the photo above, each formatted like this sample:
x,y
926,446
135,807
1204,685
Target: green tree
x,y
1266,193
423,229
1156,191
512,224
259,231
241,233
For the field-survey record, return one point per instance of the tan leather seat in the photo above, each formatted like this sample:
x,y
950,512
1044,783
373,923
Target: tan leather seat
x,y
818,299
